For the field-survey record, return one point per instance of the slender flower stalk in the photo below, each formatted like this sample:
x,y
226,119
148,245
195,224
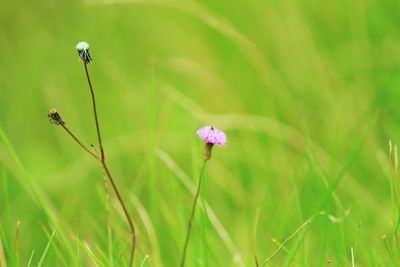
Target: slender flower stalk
x,y
189,229
211,136
86,60
102,158
55,118
79,142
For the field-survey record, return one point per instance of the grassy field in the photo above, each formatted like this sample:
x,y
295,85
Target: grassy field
x,y
308,93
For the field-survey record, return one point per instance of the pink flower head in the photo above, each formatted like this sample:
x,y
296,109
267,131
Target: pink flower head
x,y
212,135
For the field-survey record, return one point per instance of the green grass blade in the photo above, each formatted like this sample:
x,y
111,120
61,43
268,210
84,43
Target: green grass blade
x,y
30,186
42,258
30,258
144,261
354,152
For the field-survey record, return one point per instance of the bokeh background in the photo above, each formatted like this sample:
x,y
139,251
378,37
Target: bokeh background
x,y
307,92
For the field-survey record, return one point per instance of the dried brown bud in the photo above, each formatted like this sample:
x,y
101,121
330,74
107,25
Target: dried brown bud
x,y
207,151
55,117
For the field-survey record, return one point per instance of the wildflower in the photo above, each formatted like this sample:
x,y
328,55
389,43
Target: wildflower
x,y
83,52
212,136
55,117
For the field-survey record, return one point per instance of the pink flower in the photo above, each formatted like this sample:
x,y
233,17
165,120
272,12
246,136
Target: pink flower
x,y
211,135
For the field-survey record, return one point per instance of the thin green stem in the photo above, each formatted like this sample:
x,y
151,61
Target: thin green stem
x,y
256,218
287,240
189,229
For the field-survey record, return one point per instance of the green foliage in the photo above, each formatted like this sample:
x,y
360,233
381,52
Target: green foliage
x,y
307,91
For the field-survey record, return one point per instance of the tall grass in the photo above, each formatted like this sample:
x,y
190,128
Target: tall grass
x,y
306,91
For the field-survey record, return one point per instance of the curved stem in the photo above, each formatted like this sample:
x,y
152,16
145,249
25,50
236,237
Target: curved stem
x,y
79,142
95,113
107,172
128,218
189,229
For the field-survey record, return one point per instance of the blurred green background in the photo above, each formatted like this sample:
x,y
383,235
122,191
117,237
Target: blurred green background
x,y
307,92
